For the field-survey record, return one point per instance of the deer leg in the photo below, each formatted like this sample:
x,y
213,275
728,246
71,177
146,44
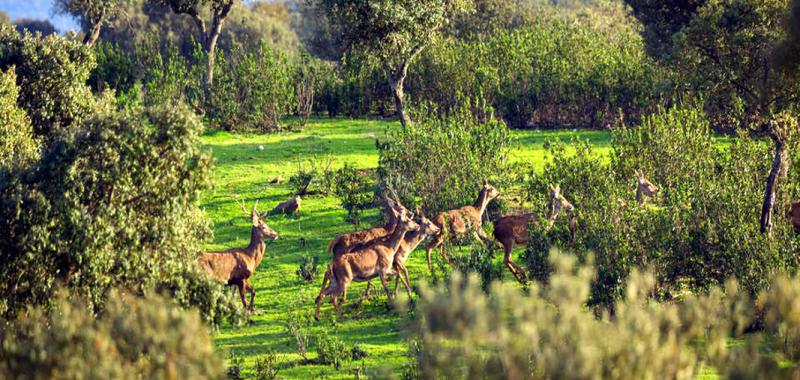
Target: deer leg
x,y
515,269
477,237
366,292
325,279
385,286
240,285
437,241
402,274
252,291
318,301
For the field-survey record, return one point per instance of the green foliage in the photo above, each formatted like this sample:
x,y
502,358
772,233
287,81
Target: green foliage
x,y
309,268
235,363
312,177
357,353
439,162
116,208
132,338
353,188
480,261
332,351
464,333
296,330
51,76
267,367
18,147
254,89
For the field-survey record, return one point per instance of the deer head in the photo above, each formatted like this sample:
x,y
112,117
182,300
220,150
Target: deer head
x,y
262,229
558,202
426,225
639,176
406,223
489,190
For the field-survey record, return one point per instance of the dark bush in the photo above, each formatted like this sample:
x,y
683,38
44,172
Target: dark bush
x,y
332,351
353,188
308,269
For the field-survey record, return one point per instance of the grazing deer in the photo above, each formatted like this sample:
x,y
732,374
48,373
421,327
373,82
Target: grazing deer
x,y
459,222
347,242
291,206
514,229
407,246
644,188
377,260
794,215
235,266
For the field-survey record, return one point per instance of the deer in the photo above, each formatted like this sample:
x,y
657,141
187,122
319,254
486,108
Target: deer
x,y
347,242
644,188
794,215
513,230
377,260
460,222
407,246
291,206
235,266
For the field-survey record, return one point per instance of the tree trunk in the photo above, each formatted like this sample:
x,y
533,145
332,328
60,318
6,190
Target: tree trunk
x,y
91,37
213,36
397,92
775,175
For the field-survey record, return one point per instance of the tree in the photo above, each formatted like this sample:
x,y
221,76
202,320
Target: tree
x,y
220,9
393,31
726,50
33,25
93,14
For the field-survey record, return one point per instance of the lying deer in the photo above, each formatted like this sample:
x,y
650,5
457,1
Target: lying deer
x,y
235,266
291,206
514,229
644,188
460,222
347,242
377,260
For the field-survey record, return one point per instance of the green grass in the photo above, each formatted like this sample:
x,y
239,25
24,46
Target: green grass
x,y
241,168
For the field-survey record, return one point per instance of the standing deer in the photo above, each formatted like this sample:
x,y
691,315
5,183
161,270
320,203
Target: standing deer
x,y
459,222
377,260
514,229
347,242
644,188
235,266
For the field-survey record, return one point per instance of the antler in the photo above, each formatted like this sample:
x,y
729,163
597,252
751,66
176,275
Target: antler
x,y
241,204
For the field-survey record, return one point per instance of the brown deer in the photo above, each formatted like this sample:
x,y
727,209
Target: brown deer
x,y
235,266
513,230
460,222
377,260
291,206
347,242
644,188
407,246
794,215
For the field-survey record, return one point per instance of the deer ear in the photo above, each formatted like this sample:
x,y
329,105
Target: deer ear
x,y
485,181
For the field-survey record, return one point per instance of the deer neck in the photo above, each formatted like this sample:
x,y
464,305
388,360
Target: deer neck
x,y
397,239
481,203
413,239
256,248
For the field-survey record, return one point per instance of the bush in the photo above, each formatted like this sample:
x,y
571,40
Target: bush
x,y
463,333
18,147
295,329
235,364
480,261
439,161
116,208
353,190
132,338
267,366
308,269
332,351
312,178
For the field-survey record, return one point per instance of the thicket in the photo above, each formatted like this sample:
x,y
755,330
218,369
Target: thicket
x,y
132,338
439,161
461,332
111,201
700,230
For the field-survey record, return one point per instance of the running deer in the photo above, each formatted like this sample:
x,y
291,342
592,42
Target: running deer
x,y
348,242
235,266
460,222
377,260
644,188
407,246
514,229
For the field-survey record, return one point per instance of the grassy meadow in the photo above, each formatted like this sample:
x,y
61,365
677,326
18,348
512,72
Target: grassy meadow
x,y
242,168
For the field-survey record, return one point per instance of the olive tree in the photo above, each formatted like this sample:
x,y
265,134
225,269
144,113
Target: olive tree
x,y
93,14
219,9
726,50
393,31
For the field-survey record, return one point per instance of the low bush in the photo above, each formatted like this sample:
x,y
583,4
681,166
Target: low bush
x,y
267,366
132,338
296,330
439,161
461,332
308,269
313,176
353,188
332,351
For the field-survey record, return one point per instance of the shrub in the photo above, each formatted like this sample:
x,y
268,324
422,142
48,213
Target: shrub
x,y
308,269
312,177
479,260
331,351
116,208
295,328
132,338
18,146
463,333
267,366
357,353
439,161
353,190
235,364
